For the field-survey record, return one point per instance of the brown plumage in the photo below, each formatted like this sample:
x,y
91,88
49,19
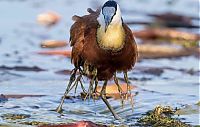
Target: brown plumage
x,y
85,48
101,46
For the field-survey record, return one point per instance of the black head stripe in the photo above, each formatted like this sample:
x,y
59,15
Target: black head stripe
x,y
110,3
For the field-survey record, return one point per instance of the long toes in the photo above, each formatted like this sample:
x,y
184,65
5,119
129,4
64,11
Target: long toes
x,y
59,110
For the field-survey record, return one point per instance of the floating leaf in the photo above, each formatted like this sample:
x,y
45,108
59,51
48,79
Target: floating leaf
x,y
53,44
168,34
56,52
18,96
48,18
112,90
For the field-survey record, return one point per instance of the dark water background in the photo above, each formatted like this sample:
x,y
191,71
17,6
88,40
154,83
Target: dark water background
x,y
20,38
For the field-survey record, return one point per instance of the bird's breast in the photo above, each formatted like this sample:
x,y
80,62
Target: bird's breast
x,y
112,39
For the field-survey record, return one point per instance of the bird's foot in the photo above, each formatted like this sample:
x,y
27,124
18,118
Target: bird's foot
x,y
59,109
103,97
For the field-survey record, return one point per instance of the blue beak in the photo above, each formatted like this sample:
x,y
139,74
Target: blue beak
x,y
107,21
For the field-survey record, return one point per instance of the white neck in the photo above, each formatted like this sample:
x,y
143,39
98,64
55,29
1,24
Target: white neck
x,y
113,38
117,20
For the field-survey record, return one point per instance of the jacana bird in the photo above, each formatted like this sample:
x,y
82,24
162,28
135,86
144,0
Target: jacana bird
x,y
102,45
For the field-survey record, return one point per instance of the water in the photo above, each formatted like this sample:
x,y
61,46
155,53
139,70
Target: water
x,y
21,36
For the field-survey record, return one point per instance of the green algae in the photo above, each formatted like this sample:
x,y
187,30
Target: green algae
x,y
161,117
15,116
35,123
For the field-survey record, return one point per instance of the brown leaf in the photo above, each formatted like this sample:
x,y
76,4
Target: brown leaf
x,y
53,44
64,72
56,52
18,96
153,51
112,90
48,18
22,68
154,33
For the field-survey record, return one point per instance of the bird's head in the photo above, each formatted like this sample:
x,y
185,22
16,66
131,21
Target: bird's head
x,y
110,15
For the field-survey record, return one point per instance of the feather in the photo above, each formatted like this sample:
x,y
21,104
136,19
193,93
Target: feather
x,y
94,12
76,18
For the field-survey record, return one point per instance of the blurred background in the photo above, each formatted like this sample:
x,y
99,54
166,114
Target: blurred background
x,y
35,61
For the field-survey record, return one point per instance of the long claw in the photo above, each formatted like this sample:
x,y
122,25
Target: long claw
x,y
103,97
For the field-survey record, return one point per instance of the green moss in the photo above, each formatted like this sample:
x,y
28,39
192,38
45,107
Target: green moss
x,y
15,116
35,123
161,117
198,103
4,125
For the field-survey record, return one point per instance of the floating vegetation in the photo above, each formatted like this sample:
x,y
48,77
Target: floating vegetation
x,y
48,19
188,109
33,123
161,117
4,125
53,44
167,34
15,116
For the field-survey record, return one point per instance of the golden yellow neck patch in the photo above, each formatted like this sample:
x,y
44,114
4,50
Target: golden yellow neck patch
x,y
113,38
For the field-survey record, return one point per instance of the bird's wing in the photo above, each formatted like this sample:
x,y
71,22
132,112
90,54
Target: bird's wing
x,y
131,45
78,31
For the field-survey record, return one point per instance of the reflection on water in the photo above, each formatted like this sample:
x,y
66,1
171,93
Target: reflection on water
x,y
20,37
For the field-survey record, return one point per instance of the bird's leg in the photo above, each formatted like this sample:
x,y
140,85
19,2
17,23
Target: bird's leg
x,y
96,84
128,89
119,89
84,91
72,79
95,89
95,81
127,82
90,90
78,79
103,97
82,73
